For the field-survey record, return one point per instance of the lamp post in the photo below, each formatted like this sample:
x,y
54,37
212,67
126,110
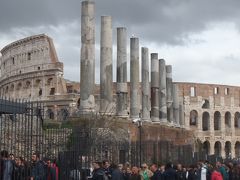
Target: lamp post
x,y
138,122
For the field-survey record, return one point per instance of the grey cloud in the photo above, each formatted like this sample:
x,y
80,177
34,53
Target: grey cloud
x,y
163,21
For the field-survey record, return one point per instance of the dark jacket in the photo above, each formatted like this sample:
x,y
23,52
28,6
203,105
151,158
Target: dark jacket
x,y
20,172
117,175
180,175
126,176
157,175
170,174
98,174
135,177
1,169
38,171
192,175
7,173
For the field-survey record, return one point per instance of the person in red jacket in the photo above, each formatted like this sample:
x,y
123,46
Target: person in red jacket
x,y
216,175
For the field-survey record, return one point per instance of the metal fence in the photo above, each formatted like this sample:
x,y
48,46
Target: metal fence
x,y
23,132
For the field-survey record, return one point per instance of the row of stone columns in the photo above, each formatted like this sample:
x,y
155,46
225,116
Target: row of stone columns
x,y
164,104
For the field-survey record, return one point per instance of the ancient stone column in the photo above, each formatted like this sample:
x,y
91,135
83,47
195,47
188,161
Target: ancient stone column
x,y
175,105
106,106
87,84
154,87
162,91
169,93
122,90
134,78
145,85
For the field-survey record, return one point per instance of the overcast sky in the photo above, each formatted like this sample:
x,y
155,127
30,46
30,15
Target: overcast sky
x,y
199,38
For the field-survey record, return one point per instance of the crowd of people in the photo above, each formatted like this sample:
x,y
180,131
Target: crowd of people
x,y
200,171
16,168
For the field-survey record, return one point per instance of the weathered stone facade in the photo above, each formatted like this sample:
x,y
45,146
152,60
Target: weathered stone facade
x,y
213,112
30,70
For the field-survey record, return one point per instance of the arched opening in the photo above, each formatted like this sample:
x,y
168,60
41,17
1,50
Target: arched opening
x,y
228,119
217,149
28,84
50,114
12,87
38,82
205,121
237,149
217,120
228,149
6,90
19,86
206,104
78,103
237,120
49,81
40,92
206,148
63,114
193,118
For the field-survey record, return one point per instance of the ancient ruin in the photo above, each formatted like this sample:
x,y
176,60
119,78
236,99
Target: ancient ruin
x,y
211,113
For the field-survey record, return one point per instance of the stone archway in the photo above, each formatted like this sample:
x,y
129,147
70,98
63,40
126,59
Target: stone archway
x,y
217,121
217,148
50,114
237,120
193,120
206,121
228,148
206,148
237,149
228,119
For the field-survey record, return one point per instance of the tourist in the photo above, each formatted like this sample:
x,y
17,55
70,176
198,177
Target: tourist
x,y
20,171
222,170
180,174
170,173
135,174
98,172
38,169
116,173
216,175
6,166
157,175
106,168
51,171
145,173
127,173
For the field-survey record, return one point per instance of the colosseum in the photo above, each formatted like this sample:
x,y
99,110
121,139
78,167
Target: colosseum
x,y
30,70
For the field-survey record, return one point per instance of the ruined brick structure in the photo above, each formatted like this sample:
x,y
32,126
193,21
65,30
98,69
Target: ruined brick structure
x,y
213,112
